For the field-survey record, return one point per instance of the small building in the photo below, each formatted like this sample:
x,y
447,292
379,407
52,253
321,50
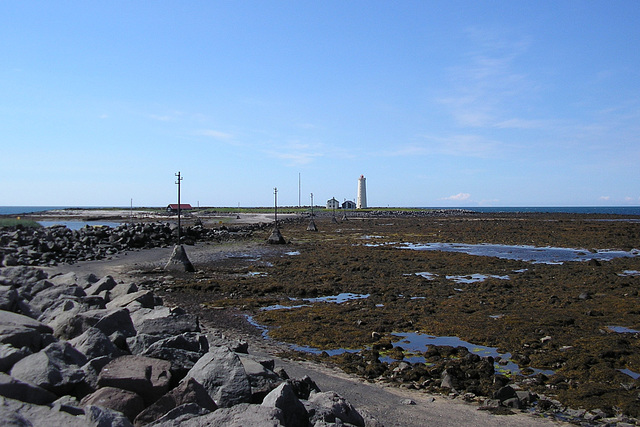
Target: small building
x,y
173,208
348,204
333,203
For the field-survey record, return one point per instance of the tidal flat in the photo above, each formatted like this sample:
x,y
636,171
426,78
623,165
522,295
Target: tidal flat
x,y
570,326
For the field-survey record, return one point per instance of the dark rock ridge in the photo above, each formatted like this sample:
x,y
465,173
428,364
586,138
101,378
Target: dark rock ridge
x,y
83,351
57,244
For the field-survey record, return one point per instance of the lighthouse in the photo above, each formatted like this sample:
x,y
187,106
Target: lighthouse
x,y
362,193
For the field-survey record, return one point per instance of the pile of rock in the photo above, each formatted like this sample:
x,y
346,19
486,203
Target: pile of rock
x,y
450,370
58,244
82,351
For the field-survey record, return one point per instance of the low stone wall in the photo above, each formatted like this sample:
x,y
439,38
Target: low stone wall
x,y
53,245
88,351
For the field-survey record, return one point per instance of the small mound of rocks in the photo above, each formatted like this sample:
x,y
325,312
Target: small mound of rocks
x,y
80,350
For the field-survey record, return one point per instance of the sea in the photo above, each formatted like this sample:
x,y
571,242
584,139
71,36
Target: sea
x,y
615,210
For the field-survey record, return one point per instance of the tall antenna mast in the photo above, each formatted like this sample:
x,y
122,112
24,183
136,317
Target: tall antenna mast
x,y
178,182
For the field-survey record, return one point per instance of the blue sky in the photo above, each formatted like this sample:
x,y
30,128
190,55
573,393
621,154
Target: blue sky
x,y
437,103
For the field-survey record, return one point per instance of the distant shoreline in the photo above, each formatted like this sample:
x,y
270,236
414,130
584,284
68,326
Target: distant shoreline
x,y
610,210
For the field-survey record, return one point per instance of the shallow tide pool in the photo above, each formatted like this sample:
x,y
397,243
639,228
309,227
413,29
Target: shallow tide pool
x,y
534,254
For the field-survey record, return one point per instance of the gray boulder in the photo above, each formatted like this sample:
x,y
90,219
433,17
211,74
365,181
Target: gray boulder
x,y
234,344
283,398
127,402
8,298
221,373
56,368
145,376
94,343
330,406
182,350
108,321
67,279
92,370
171,325
241,415
260,374
105,284
187,392
21,276
122,289
13,388
49,296
145,298
140,314
303,387
60,314
9,355
16,413
179,415
141,342
98,416
22,331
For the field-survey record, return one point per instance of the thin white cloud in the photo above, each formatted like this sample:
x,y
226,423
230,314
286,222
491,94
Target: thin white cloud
x,y
164,118
462,145
458,197
215,134
605,198
297,153
522,124
488,81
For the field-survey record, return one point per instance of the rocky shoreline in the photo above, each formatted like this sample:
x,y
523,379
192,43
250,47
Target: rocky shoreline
x,y
83,350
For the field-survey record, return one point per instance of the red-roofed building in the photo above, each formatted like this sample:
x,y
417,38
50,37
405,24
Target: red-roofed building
x,y
183,207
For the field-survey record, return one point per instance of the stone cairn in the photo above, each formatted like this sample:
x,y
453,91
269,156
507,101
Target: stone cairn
x,y
78,350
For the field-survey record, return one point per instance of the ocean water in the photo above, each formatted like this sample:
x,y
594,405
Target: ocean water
x,y
17,210
618,210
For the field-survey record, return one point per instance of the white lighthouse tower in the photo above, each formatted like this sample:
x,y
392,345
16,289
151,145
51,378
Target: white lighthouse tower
x,y
362,193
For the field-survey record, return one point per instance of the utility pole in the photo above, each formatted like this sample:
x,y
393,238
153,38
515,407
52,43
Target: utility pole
x,y
179,261
178,182
276,236
312,224
275,204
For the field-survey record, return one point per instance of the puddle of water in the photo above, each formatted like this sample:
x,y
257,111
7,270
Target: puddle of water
x,y
622,330
336,299
77,225
427,275
283,307
292,253
474,278
533,254
256,274
416,342
629,273
629,372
